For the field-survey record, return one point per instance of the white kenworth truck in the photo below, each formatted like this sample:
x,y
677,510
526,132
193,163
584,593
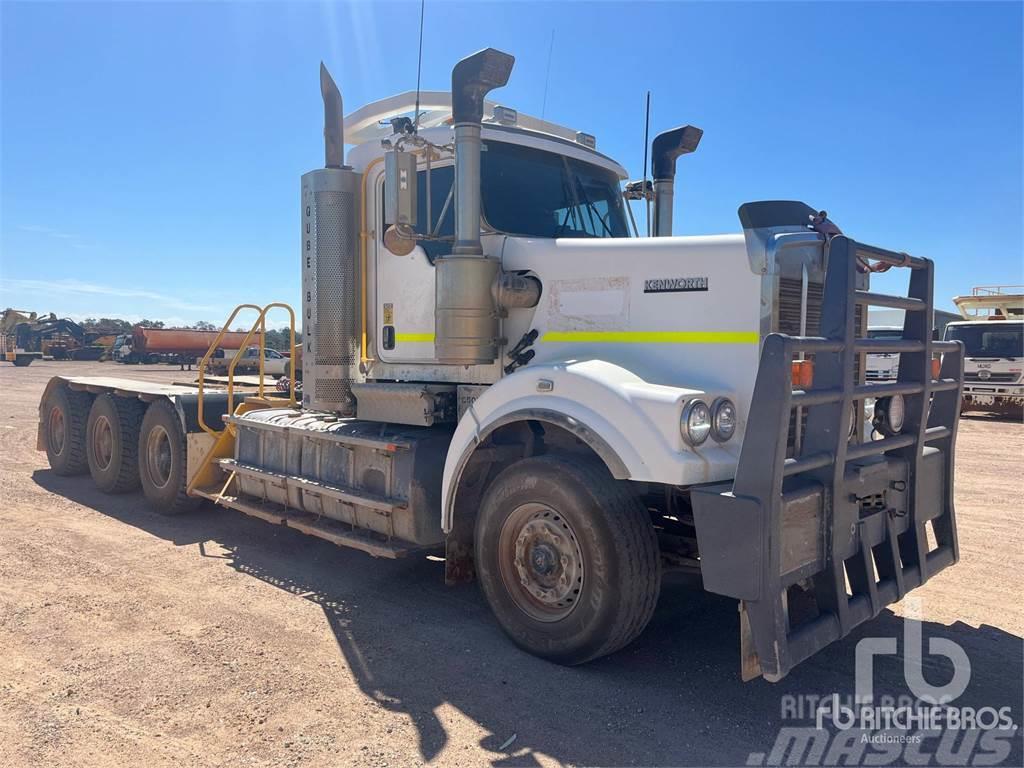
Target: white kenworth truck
x,y
992,333
492,364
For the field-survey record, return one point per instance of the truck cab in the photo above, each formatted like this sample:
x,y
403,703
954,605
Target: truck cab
x,y
992,333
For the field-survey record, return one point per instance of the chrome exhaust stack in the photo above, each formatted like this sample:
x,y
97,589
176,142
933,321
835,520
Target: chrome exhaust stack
x,y
466,314
330,268
665,148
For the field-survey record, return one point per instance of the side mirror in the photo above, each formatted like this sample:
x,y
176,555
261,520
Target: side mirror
x,y
400,188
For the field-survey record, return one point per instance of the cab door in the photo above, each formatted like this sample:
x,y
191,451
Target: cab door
x,y
405,284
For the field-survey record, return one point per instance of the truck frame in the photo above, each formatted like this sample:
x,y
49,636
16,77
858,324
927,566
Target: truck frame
x,y
493,366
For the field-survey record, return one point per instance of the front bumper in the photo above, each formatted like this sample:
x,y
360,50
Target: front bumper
x,y
843,528
993,395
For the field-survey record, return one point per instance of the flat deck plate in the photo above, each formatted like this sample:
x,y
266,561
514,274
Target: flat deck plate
x,y
131,385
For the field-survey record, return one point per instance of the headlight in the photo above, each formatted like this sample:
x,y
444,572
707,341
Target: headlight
x,y
695,423
889,415
723,419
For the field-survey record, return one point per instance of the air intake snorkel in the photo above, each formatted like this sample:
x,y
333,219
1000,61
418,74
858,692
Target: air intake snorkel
x,y
466,325
472,79
665,148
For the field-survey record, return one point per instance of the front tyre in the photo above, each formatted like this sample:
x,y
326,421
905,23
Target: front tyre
x,y
567,558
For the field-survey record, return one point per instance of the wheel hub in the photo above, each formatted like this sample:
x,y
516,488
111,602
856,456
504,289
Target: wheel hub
x,y
158,456
546,573
102,442
55,430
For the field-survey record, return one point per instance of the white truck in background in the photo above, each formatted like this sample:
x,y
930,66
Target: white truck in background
x,y
883,366
992,333
494,366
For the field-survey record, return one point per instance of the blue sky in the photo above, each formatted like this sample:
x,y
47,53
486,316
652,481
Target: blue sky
x,y
151,153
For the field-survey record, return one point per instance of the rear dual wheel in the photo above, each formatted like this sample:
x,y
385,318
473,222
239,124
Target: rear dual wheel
x,y
163,460
64,417
111,442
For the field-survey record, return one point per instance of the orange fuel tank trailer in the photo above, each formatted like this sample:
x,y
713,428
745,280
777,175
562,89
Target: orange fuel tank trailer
x,y
184,342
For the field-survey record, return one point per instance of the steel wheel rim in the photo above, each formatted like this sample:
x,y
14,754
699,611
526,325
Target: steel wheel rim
x,y
541,562
56,431
158,456
102,442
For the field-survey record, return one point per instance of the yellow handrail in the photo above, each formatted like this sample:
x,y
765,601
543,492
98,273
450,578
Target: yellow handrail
x,y
260,323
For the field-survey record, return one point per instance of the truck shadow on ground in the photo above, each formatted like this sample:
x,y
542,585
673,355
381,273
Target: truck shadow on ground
x,y
674,697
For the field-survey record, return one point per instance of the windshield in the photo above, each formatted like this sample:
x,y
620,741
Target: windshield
x,y
989,339
527,191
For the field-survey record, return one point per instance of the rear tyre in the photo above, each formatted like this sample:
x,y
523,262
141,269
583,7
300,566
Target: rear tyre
x,y
111,442
163,460
64,417
567,558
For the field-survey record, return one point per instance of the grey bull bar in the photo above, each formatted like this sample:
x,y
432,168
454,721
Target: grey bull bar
x,y
817,543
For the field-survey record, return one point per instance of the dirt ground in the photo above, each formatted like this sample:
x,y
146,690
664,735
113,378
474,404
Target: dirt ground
x,y
127,638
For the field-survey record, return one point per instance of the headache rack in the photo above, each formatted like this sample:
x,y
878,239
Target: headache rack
x,y
816,543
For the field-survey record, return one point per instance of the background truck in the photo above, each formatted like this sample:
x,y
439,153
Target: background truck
x,y
169,345
992,332
493,365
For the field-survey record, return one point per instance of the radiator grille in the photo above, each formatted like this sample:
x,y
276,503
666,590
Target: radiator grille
x,y
788,306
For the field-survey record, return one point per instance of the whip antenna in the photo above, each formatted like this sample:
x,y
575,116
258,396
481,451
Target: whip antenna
x,y
419,70
547,76
647,128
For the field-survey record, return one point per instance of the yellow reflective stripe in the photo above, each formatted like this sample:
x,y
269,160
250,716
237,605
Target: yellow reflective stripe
x,y
414,337
654,337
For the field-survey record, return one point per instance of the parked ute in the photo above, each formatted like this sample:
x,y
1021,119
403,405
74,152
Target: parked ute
x,y
492,364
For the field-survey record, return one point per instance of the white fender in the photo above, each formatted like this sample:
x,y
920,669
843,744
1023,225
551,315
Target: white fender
x,y
631,424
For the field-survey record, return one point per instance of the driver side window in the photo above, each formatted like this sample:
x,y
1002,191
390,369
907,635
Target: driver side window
x,y
441,186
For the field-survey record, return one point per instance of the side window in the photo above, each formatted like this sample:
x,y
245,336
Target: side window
x,y
441,186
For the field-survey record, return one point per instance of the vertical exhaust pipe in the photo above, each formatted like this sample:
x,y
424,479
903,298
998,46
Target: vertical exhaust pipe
x,y
466,326
330,269
334,127
665,148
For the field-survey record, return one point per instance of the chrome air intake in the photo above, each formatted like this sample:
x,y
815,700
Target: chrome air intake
x,y
466,327
330,269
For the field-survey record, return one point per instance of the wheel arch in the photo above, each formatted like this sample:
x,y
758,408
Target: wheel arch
x,y
526,418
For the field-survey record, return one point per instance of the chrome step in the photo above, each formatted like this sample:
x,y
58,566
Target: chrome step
x,y
372,501
322,527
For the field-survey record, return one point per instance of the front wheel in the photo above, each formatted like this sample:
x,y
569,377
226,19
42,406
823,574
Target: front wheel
x,y
567,558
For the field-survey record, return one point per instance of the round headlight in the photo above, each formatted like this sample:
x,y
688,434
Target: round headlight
x,y
695,423
890,413
723,419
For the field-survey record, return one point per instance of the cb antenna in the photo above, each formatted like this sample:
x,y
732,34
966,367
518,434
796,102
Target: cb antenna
x,y
647,128
547,75
419,70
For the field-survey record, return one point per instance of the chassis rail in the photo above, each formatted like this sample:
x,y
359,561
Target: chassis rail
x,y
843,524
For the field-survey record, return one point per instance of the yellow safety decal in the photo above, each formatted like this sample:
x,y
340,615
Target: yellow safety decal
x,y
423,337
653,337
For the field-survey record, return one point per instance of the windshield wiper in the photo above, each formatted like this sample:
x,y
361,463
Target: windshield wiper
x,y
591,207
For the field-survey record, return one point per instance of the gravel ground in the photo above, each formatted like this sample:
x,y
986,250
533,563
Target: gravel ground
x,y
215,639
